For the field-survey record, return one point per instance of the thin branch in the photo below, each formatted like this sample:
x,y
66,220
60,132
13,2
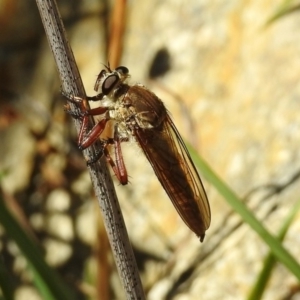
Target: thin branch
x,y
117,28
102,182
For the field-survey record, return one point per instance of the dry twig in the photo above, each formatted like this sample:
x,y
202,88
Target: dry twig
x,y
102,182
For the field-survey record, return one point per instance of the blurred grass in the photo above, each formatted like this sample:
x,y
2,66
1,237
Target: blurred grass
x,y
270,261
274,244
284,9
5,283
47,281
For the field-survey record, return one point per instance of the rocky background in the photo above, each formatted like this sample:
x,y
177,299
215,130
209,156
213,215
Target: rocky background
x,y
231,86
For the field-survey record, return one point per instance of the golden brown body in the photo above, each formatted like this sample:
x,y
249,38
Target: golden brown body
x,y
149,122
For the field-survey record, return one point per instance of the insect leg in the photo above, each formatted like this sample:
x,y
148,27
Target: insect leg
x,y
81,114
118,166
95,98
122,172
122,179
86,139
76,101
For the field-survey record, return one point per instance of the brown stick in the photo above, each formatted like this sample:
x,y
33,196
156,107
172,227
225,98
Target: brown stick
x,y
102,182
116,37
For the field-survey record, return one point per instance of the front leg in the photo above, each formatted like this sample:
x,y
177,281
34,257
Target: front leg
x,y
78,102
86,139
95,98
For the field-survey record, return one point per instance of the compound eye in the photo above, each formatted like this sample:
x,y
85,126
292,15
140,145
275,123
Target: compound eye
x,y
122,70
99,80
109,83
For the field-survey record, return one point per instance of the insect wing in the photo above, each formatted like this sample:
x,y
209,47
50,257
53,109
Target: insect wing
x,y
175,170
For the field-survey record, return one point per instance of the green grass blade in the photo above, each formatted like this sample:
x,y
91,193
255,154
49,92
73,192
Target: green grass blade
x,y
269,263
5,283
283,9
239,207
46,279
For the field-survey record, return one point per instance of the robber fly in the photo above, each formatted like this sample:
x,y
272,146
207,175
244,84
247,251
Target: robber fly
x,y
138,114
